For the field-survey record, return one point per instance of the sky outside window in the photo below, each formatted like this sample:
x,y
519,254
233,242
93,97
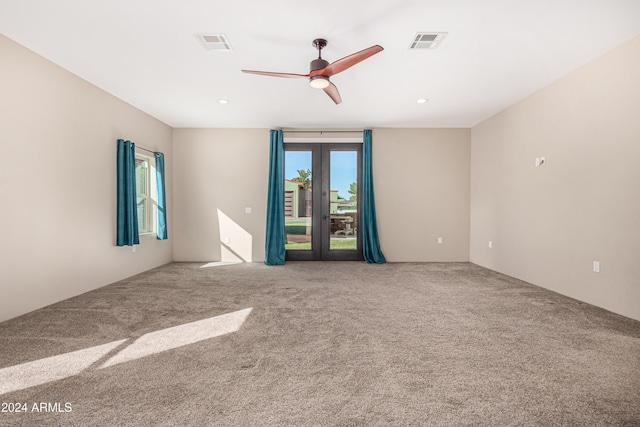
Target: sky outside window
x,y
343,168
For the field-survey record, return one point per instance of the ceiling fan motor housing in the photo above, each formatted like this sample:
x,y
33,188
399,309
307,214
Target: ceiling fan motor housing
x,y
318,64
319,81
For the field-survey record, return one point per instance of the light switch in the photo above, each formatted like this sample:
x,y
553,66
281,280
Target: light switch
x,y
247,210
439,240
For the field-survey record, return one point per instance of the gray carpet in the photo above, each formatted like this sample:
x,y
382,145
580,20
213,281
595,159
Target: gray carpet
x,y
325,344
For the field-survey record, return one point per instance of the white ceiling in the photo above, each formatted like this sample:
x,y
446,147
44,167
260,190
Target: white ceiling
x,y
146,53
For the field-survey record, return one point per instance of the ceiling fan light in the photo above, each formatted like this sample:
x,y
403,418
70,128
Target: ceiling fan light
x,y
319,82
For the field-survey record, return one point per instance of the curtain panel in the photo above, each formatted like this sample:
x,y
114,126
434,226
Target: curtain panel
x,y
127,211
161,233
370,241
275,237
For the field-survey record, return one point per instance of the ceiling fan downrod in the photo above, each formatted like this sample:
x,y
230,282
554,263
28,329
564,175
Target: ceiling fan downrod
x,y
318,64
319,44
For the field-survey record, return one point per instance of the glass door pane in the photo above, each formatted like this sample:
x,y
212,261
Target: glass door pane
x,y
321,211
298,207
343,200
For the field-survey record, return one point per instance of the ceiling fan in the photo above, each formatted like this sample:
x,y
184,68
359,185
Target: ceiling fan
x,y
321,70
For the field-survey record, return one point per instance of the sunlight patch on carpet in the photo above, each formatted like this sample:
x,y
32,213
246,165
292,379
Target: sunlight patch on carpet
x,y
66,365
178,336
53,368
220,264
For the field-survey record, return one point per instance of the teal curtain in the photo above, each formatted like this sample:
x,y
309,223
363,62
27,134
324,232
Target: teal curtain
x,y
370,242
127,209
161,233
275,240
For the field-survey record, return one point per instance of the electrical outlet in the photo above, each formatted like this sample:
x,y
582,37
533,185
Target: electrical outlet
x,y
439,240
596,266
247,210
490,244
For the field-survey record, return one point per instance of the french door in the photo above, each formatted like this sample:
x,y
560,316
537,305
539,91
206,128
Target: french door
x,y
322,196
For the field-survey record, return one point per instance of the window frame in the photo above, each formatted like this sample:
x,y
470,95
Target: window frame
x,y
151,202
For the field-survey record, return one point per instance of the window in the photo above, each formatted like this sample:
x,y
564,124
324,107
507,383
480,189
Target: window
x,y
145,187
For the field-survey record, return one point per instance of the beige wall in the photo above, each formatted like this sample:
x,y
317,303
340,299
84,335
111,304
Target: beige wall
x,y
217,174
421,179
548,224
58,139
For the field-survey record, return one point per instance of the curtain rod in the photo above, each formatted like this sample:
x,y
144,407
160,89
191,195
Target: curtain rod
x,y
145,149
322,131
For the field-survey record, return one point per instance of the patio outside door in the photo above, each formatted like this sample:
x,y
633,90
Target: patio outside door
x,y
322,195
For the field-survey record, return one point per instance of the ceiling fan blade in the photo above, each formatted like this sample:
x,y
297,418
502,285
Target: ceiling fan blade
x,y
349,61
268,73
333,93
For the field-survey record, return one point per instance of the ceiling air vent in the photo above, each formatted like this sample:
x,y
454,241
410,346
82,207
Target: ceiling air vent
x,y
217,42
426,40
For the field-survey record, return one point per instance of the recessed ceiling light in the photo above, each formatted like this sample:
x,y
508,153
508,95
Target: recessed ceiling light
x,y
422,100
223,101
